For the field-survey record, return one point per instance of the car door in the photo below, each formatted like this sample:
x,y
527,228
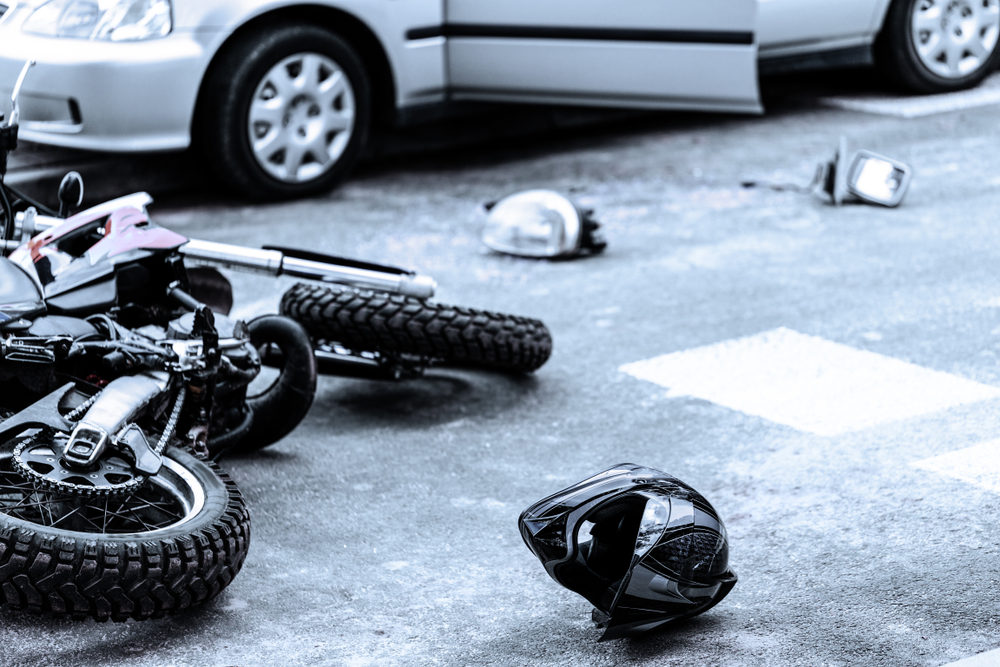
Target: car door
x,y
791,26
644,53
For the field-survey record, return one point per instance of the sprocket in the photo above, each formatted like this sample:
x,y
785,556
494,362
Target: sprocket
x,y
38,460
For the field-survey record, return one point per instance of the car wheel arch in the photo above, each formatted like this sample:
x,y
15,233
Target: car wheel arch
x,y
881,11
345,25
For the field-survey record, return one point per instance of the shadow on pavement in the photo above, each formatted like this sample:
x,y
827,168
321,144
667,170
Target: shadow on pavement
x,y
202,624
438,397
486,135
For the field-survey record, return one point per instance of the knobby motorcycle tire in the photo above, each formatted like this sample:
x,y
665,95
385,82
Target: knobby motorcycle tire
x,y
128,576
283,405
371,321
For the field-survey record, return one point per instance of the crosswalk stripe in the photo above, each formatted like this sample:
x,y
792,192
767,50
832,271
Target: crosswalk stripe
x,y
987,659
978,465
808,383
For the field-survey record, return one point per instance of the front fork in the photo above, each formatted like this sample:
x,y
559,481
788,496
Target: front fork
x,y
309,266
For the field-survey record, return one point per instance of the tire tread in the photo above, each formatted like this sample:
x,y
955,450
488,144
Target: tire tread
x,y
365,320
121,580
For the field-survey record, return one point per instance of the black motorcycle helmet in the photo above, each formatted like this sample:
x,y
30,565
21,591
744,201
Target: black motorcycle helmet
x,y
643,547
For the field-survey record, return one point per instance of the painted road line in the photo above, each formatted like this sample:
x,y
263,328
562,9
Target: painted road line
x,y
987,659
918,106
978,465
808,383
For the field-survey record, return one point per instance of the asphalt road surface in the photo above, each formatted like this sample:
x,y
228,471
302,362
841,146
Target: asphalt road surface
x,y
827,377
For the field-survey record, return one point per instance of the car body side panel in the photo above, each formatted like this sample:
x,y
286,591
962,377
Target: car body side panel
x,y
786,27
645,53
736,15
417,65
96,95
628,53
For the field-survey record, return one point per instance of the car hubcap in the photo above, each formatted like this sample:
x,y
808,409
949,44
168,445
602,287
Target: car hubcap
x,y
954,38
301,117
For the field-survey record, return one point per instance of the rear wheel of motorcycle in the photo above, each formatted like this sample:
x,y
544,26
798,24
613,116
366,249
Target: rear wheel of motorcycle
x,y
369,321
175,542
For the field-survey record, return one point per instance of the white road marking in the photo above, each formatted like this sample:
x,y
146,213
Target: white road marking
x,y
987,659
917,106
808,383
978,465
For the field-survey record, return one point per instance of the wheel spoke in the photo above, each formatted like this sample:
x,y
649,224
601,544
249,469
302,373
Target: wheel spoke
x,y
267,111
159,508
83,517
319,150
294,156
66,516
47,509
36,504
928,20
301,117
139,520
988,25
953,57
308,78
933,48
154,505
331,88
282,82
272,142
24,487
339,121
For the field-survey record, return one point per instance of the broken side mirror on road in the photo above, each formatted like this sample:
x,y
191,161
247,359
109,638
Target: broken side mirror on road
x,y
863,176
541,224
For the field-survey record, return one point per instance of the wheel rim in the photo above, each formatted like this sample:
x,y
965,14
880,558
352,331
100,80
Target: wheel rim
x,y
301,117
955,38
170,499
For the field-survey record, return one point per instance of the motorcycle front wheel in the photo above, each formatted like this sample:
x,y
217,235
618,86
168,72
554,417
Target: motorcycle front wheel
x,y
392,324
175,541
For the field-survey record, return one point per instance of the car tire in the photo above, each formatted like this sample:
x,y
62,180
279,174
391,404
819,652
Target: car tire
x,y
285,112
934,46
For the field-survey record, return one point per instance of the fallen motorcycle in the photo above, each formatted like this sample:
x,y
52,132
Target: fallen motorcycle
x,y
122,377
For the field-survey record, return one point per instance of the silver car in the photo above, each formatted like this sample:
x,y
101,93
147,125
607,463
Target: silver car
x,y
280,96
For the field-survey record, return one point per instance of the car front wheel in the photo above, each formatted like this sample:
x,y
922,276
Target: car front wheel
x,y
934,46
286,112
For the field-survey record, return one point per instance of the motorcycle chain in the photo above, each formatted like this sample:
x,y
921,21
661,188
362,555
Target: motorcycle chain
x,y
31,458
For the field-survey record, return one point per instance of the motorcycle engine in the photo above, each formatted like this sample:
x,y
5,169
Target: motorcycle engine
x,y
182,328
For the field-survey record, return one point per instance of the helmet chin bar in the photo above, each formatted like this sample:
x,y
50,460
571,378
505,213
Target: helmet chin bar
x,y
643,547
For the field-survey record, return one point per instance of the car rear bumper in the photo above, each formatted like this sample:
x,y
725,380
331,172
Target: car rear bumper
x,y
122,97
